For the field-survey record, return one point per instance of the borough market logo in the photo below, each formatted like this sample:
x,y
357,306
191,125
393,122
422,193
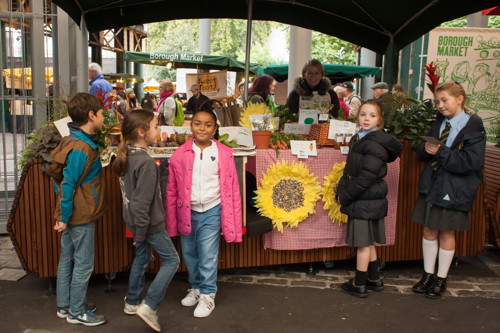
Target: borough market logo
x,y
176,57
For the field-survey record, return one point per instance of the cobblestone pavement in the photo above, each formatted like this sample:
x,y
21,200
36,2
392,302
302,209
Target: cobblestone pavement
x,y
472,277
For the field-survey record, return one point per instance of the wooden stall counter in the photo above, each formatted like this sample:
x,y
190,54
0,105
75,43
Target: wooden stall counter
x,y
38,245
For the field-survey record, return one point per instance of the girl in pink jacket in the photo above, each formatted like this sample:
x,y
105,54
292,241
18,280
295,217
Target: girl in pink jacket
x,y
203,199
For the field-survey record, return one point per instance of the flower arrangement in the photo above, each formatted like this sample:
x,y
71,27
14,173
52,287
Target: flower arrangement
x,y
431,72
329,189
288,194
257,109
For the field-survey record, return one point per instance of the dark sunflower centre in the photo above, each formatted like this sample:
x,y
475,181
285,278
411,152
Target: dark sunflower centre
x,y
288,194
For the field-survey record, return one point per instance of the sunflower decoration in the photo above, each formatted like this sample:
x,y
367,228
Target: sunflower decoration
x,y
253,109
329,189
288,194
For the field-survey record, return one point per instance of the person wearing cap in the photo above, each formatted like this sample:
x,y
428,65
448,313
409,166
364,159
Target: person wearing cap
x,y
379,89
195,102
132,103
313,91
241,93
352,99
97,81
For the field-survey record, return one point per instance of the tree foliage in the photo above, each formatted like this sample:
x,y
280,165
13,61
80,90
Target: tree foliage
x,y
228,37
493,22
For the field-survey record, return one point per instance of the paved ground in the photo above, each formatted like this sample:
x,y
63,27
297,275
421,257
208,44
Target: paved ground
x,y
278,299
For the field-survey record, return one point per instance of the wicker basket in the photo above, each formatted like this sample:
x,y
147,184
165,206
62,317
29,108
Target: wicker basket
x,y
180,138
319,132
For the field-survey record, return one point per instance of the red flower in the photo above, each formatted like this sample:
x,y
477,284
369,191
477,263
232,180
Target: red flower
x,y
432,75
108,101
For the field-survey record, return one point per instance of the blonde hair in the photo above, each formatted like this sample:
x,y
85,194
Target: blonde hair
x,y
456,90
341,91
132,122
167,85
378,107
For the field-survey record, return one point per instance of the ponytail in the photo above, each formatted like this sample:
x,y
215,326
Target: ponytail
x,y
120,163
132,122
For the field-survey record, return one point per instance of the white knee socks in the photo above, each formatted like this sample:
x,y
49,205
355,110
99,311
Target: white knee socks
x,y
430,252
445,259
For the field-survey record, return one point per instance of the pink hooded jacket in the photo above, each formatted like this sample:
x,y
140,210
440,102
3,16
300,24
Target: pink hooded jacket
x,y
178,202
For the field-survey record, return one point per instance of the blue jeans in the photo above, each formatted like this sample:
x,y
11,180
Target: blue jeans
x,y
76,264
200,250
163,245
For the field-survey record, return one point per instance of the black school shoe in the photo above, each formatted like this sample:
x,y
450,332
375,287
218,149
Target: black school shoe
x,y
437,289
375,285
424,284
351,289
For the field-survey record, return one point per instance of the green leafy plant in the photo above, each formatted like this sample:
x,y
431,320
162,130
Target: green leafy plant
x,y
40,144
410,121
285,115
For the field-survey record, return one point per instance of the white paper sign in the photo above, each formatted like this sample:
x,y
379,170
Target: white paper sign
x,y
297,128
242,135
344,150
276,123
340,127
167,131
303,149
308,117
257,121
62,125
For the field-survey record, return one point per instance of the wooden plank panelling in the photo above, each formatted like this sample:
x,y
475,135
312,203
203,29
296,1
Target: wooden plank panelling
x,y
38,245
492,190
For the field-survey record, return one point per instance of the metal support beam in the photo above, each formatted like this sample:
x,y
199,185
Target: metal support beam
x,y
390,68
248,44
38,65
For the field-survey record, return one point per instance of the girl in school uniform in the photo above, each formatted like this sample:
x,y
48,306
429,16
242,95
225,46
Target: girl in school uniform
x,y
203,199
362,194
448,184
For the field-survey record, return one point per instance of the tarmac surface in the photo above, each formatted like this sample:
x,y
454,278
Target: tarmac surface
x,y
276,299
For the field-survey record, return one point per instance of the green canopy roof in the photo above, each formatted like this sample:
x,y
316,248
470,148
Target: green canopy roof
x,y
336,73
368,23
189,60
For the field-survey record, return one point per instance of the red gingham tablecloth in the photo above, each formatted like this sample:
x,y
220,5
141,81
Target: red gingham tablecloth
x,y
318,231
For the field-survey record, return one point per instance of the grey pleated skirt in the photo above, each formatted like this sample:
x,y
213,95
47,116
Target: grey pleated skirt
x,y
362,233
439,218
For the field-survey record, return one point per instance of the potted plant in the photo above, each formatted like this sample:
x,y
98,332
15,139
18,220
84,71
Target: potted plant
x,y
258,118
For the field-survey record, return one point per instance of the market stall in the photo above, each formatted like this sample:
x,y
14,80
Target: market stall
x,y
38,245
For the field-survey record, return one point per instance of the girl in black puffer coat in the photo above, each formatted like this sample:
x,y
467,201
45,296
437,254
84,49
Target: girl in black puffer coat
x,y
362,193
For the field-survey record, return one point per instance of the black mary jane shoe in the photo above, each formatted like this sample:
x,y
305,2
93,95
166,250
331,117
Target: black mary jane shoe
x,y
425,283
375,285
437,289
354,290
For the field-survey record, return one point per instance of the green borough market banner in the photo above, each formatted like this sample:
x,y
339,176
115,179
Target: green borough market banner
x,y
470,56
189,60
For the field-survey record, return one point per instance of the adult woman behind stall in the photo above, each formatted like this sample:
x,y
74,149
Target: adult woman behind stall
x,y
313,91
261,91
166,106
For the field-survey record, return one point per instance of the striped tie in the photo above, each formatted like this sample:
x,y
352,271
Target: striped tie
x,y
443,138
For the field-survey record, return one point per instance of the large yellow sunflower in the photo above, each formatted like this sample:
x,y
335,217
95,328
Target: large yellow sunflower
x,y
252,109
288,194
329,188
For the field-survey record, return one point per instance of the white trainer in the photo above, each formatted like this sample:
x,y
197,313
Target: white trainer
x,y
129,308
205,306
149,316
191,298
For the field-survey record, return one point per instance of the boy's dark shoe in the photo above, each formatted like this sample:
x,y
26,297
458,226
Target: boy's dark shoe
x,y
88,319
354,290
375,285
424,284
437,289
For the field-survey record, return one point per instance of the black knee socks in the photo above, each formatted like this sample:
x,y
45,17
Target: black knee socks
x,y
360,278
373,273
